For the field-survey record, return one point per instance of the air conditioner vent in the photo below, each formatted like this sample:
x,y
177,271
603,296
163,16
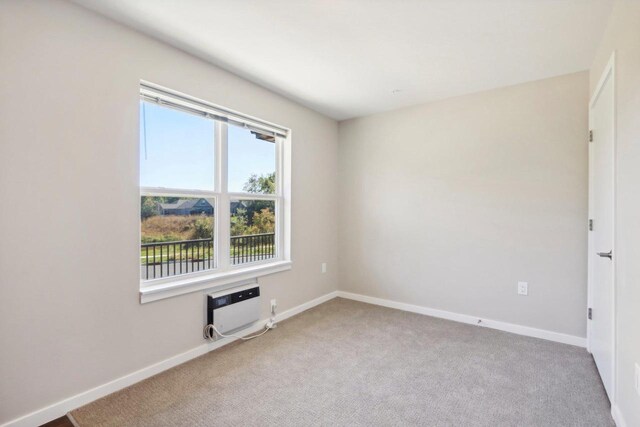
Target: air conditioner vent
x,y
234,309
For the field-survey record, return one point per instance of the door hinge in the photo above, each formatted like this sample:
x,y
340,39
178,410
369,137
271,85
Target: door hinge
x,y
590,225
590,313
590,136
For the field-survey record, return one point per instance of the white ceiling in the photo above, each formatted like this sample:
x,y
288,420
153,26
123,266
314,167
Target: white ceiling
x,y
345,58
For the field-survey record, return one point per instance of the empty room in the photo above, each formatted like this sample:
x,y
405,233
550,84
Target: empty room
x,y
320,213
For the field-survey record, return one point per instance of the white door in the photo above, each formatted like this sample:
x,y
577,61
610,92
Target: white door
x,y
601,256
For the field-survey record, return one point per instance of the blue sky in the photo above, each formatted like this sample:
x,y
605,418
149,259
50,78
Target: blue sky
x,y
179,151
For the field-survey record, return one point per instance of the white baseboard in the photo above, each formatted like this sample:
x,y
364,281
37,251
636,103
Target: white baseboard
x,y
617,416
464,318
306,306
60,408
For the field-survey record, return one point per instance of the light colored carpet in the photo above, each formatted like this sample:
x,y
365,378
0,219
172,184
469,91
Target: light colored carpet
x,y
349,363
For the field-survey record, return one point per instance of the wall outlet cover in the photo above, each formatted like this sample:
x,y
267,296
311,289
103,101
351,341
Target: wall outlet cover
x,y
637,379
523,288
323,267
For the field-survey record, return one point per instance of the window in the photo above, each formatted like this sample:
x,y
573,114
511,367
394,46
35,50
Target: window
x,y
214,195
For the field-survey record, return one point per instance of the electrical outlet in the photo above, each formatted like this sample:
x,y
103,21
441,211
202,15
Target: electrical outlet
x,y
274,306
523,288
637,381
323,267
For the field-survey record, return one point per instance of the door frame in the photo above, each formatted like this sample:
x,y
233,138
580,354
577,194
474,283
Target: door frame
x,y
608,72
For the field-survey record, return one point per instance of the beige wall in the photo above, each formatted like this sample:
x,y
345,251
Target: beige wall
x,y
448,205
623,36
70,318
445,205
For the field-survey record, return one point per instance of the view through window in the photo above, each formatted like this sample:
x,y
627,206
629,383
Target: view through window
x,y
185,187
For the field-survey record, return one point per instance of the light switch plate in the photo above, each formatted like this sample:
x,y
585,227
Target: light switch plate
x,y
637,379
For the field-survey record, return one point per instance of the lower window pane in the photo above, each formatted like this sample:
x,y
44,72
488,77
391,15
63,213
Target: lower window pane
x,y
176,236
253,227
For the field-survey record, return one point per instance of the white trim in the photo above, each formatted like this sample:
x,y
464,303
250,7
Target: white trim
x,y
253,196
176,192
306,306
464,318
59,409
211,280
603,78
284,182
617,416
222,222
608,72
590,244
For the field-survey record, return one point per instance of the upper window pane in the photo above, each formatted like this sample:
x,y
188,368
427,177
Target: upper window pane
x,y
176,149
252,162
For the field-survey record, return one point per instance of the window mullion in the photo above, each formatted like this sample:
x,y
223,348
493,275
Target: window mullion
x,y
281,251
284,193
252,196
279,215
223,217
161,192
279,162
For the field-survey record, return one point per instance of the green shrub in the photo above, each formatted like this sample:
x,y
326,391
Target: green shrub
x,y
202,228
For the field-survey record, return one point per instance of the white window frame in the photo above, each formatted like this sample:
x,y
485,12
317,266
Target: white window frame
x,y
224,273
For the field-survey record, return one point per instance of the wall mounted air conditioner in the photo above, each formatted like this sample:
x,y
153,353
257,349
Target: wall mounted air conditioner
x,y
234,309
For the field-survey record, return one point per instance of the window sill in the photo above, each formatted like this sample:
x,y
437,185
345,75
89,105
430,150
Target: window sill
x,y
210,281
